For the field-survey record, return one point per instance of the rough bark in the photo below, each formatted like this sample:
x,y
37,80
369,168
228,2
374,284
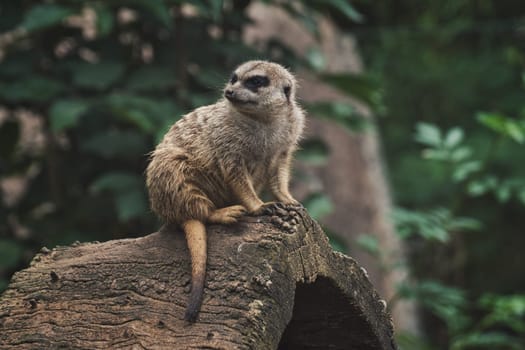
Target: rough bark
x,y
267,288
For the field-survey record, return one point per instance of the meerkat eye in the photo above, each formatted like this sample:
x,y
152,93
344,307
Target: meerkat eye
x,y
287,90
234,78
257,81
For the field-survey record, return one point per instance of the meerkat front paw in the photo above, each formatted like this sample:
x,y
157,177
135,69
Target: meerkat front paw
x,y
227,215
267,208
284,216
290,202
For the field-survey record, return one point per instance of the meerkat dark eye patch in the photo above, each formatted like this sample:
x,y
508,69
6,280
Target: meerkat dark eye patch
x,y
287,91
255,82
234,78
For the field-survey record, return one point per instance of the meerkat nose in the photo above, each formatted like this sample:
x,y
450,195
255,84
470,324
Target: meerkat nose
x,y
228,93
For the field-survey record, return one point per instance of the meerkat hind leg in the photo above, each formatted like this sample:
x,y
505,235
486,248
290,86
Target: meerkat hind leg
x,y
226,215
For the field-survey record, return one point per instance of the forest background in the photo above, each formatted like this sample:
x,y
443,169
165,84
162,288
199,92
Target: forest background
x,y
87,88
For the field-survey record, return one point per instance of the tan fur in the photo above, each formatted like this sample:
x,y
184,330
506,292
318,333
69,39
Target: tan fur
x,y
213,163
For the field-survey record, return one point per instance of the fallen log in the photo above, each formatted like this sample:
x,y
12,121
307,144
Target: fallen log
x,y
273,282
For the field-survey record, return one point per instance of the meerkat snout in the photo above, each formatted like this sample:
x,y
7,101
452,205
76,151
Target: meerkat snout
x,y
229,94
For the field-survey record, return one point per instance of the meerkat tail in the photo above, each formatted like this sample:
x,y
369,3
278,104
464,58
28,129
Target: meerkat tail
x,y
196,237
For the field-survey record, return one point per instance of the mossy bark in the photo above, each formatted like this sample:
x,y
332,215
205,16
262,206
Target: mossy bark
x,y
267,287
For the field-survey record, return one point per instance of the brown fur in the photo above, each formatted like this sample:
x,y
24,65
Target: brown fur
x,y
213,162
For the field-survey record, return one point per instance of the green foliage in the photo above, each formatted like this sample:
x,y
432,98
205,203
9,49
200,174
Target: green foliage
x,y
35,89
451,305
65,114
44,16
336,242
506,311
10,252
369,243
442,65
448,148
313,152
96,76
507,127
362,87
341,113
436,224
448,303
126,190
488,340
319,205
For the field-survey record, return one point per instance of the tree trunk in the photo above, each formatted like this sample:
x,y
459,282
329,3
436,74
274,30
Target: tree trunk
x,y
271,284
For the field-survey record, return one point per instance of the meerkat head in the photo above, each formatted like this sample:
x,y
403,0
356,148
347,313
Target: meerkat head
x,y
260,88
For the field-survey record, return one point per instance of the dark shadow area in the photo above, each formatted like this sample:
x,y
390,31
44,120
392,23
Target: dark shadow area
x,y
324,319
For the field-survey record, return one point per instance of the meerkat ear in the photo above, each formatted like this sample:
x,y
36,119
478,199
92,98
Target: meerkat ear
x,y
287,90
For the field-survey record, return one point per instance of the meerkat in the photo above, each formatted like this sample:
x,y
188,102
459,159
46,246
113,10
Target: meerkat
x,y
212,164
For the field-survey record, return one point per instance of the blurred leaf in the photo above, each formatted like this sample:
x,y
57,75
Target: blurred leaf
x,y
216,9
339,112
130,205
208,78
516,131
479,187
127,188
116,182
151,78
361,87
318,205
503,193
163,129
453,137
17,65
305,17
157,8
31,89
10,253
9,136
44,15
504,310
436,224
149,115
447,303
505,126
521,196
488,340
105,20
409,341
464,224
66,113
493,121
337,244
346,8
313,151
428,134
464,170
476,188
368,243
97,76
436,154
461,153
116,143
316,59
